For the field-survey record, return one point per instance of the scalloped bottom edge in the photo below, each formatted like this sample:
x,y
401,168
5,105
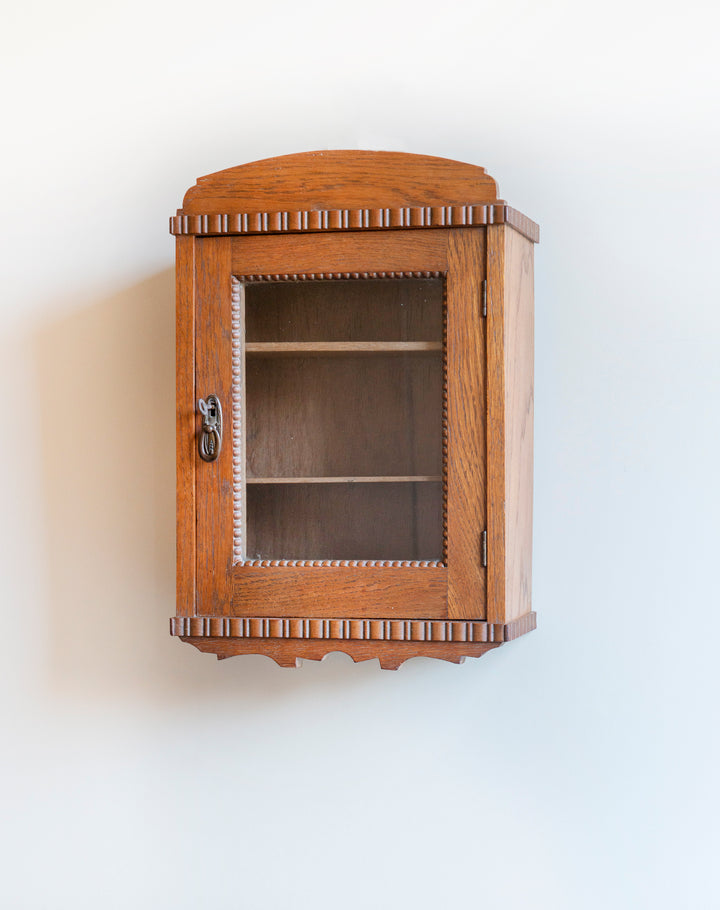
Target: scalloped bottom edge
x,y
292,653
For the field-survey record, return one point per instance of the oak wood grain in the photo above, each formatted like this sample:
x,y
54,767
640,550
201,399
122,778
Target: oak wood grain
x,y
510,423
345,190
390,478
340,179
291,654
337,591
496,423
185,424
519,360
214,376
466,424
316,255
341,347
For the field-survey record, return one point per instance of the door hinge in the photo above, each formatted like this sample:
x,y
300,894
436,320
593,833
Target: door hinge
x,y
483,549
484,297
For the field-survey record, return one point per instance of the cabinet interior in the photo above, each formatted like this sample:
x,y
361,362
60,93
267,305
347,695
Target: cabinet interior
x,y
342,404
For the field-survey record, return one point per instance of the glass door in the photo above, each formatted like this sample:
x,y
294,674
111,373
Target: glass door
x,y
351,480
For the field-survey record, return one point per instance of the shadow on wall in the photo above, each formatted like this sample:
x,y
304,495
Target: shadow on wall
x,y
105,376
106,403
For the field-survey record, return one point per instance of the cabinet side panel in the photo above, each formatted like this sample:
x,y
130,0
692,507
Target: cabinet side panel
x,y
496,423
519,368
185,423
466,424
213,330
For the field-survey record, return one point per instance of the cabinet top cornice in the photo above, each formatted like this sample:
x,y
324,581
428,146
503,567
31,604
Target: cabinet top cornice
x,y
344,190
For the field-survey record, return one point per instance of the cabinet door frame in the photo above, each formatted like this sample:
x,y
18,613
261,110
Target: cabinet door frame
x,y
224,590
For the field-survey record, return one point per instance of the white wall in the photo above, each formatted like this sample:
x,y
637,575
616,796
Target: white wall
x,y
575,768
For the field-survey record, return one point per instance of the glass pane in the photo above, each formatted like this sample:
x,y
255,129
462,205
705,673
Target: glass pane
x,y
343,420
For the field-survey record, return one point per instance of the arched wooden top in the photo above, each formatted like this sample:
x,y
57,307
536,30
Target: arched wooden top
x,y
343,190
340,180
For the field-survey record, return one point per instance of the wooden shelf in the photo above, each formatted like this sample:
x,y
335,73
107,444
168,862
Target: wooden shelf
x,y
341,347
417,478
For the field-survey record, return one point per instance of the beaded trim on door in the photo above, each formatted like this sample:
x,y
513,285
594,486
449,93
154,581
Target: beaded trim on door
x,y
238,428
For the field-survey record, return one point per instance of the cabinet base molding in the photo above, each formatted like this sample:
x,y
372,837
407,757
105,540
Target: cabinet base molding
x,y
392,641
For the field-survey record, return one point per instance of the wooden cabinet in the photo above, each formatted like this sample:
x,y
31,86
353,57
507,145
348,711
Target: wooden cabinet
x,y
354,410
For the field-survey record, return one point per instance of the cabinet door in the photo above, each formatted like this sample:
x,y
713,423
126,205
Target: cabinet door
x,y
350,482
